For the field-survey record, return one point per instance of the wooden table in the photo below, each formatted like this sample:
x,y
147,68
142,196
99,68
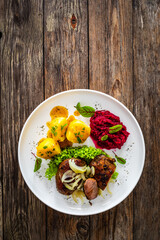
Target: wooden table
x,y
47,46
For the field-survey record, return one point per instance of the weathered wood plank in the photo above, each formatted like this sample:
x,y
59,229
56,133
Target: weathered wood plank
x,y
110,71
66,67
1,163
66,47
146,42
21,91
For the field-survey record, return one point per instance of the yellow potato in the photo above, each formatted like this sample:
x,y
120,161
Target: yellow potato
x,y
49,134
48,148
77,131
58,128
70,119
59,111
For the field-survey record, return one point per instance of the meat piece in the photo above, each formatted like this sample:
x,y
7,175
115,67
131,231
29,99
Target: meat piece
x,y
65,144
104,168
91,188
64,167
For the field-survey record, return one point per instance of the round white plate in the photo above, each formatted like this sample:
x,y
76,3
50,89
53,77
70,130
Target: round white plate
x,y
35,128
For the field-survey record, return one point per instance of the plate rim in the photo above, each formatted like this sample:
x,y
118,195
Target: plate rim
x,y
70,211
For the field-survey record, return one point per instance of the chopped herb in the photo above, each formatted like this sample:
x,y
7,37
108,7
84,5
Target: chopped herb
x,y
79,140
45,147
49,152
115,129
83,128
53,130
63,126
115,175
104,138
75,134
85,111
42,154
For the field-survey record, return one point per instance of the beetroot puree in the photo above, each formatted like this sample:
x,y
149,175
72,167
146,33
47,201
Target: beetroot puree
x,y
100,124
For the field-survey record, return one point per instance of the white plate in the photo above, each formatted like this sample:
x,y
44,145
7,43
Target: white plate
x,y
133,150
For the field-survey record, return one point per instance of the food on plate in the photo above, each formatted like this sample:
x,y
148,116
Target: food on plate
x,y
85,111
58,128
76,113
47,148
67,180
91,188
107,131
70,119
104,168
78,194
120,159
81,171
77,131
74,174
65,144
38,162
66,130
59,111
83,152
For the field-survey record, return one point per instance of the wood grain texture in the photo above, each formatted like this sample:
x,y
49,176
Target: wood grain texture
x,y
66,67
66,48
1,164
110,71
48,46
21,91
146,46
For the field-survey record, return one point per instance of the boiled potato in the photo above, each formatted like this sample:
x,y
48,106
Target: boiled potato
x,y
58,128
49,134
77,131
59,111
48,148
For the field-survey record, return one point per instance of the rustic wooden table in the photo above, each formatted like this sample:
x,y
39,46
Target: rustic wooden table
x,y
47,46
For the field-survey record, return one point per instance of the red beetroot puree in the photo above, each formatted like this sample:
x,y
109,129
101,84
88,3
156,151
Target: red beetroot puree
x,y
100,124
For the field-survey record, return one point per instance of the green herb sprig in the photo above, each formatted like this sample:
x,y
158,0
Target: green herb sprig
x,y
104,138
85,111
120,159
115,129
38,163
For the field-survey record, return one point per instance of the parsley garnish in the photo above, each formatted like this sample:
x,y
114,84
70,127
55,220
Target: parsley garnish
x,y
62,126
53,130
79,140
